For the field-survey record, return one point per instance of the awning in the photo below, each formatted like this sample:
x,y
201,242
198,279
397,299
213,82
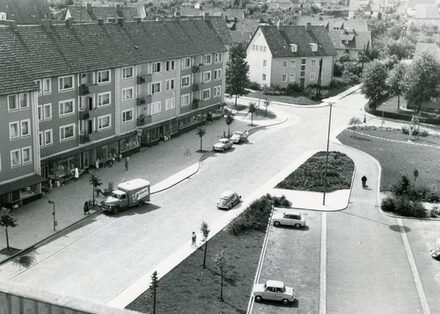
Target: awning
x,y
21,183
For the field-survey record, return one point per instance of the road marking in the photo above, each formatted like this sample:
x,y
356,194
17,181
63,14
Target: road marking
x,y
323,266
413,266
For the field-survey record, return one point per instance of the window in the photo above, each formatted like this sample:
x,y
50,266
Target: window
x,y
170,65
207,77
312,76
184,100
14,130
285,64
127,72
66,107
26,155
185,81
313,63
206,94
302,73
104,99
38,83
169,84
67,132
264,77
40,113
207,59
65,83
41,138
104,77
15,158
218,57
12,103
264,63
292,77
156,87
292,63
170,103
23,99
217,91
25,126
264,48
283,77
186,63
157,67
47,112
3,16
303,61
127,93
127,115
218,74
47,86
48,137
104,122
156,107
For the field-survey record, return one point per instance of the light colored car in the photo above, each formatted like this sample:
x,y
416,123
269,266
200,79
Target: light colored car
x,y
223,144
288,218
273,290
228,200
239,137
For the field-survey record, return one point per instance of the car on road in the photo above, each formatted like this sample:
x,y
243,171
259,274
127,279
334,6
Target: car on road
x,y
288,218
222,144
273,290
239,137
228,200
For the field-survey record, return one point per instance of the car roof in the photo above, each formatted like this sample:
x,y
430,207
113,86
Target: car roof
x,y
275,283
287,211
238,132
223,139
227,194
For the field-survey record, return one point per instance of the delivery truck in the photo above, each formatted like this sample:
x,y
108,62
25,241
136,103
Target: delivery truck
x,y
128,194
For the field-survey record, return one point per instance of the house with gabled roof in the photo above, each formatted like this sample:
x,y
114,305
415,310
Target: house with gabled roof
x,y
89,13
283,55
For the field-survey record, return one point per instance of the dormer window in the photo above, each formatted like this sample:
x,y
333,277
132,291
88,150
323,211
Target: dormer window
x,y
293,47
3,16
314,47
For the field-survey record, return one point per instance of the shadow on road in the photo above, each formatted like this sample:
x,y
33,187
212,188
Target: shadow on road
x,y
403,229
293,304
305,228
135,210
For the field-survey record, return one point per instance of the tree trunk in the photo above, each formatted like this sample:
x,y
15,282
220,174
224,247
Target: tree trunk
x,y
229,130
201,143
419,107
93,197
7,238
398,102
236,96
154,302
204,253
252,118
221,287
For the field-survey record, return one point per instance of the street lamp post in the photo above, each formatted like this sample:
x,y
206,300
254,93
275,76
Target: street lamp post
x,y
53,214
327,150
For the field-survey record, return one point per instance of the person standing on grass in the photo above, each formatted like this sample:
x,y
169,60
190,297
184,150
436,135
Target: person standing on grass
x,y
126,163
193,239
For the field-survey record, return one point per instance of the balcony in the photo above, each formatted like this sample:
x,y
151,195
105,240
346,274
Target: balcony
x,y
195,104
196,68
83,90
84,115
195,87
140,79
146,78
84,139
143,120
140,101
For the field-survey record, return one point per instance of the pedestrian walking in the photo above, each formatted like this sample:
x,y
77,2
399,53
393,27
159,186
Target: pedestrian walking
x,y
86,207
97,163
126,163
76,173
193,239
364,181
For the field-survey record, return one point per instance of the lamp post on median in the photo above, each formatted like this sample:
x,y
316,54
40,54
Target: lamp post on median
x,y
330,102
53,214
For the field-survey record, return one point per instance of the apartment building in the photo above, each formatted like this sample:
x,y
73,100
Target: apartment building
x,y
98,91
283,55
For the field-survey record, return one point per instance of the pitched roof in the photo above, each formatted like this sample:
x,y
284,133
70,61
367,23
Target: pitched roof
x,y
44,51
279,41
357,24
356,40
218,24
25,11
92,13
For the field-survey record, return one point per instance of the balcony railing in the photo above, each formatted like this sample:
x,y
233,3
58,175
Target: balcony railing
x,y
83,90
84,139
140,79
195,87
140,101
195,103
143,120
84,115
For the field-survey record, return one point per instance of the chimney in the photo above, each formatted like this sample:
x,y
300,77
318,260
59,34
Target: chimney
x,y
120,21
89,8
308,25
138,19
69,22
205,15
100,21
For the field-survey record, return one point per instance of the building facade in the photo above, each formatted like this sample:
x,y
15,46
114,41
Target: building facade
x,y
283,55
101,92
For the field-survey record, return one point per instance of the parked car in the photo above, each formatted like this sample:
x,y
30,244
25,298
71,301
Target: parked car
x,y
239,137
228,200
288,218
223,144
273,290
215,114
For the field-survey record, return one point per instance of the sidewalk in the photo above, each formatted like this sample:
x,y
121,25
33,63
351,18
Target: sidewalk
x,y
156,163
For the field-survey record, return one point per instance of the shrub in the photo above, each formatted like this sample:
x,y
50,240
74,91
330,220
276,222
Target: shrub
x,y
293,88
402,187
422,133
254,86
388,204
407,207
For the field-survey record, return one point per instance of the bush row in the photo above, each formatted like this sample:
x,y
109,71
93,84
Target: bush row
x,y
403,205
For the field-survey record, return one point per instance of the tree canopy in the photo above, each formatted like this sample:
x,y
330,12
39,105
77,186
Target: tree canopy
x,y
237,72
374,81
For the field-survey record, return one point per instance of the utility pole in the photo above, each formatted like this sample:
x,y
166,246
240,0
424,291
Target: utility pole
x,y
327,151
53,214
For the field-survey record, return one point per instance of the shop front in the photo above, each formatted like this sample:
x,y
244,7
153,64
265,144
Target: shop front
x,y
130,144
153,134
21,191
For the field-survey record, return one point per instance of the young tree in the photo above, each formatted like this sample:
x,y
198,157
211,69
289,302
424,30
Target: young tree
x,y
374,81
153,287
94,182
7,220
204,228
229,118
415,174
221,263
266,103
237,72
422,79
395,81
252,109
354,122
200,133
